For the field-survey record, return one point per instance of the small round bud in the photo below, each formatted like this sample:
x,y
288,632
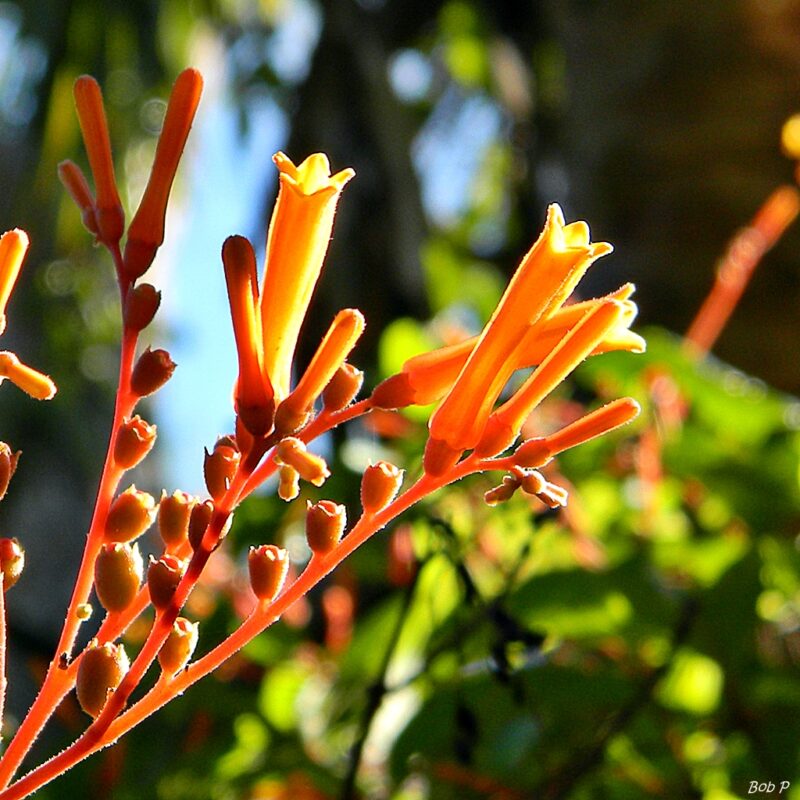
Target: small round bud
x,y
343,387
135,439
179,646
12,561
8,465
292,453
84,611
141,306
503,492
198,522
289,483
163,577
101,669
130,515
268,566
153,369
325,522
117,575
379,485
173,518
219,467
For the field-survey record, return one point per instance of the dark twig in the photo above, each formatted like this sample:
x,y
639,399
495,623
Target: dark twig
x,y
375,694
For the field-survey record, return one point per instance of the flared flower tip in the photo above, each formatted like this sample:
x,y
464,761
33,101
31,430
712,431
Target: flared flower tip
x,y
575,236
13,246
312,175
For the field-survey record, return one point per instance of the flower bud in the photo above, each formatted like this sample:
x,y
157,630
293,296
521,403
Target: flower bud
x,y
533,482
379,485
533,453
343,387
289,483
268,566
325,522
173,518
8,465
153,369
71,175
503,492
101,669
198,522
163,577
117,575
141,306
12,561
130,515
219,467
292,453
135,439
179,646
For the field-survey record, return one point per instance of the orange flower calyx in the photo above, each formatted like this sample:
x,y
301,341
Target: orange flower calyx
x,y
299,232
541,284
146,231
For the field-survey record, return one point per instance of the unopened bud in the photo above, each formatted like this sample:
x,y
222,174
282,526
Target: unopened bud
x,y
501,493
153,369
179,646
198,522
135,439
173,518
12,561
292,452
288,483
141,306
219,467
117,575
532,453
379,485
395,392
8,465
343,387
163,577
325,523
130,515
268,566
101,669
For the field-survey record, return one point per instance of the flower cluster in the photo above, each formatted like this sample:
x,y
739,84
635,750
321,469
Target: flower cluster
x,y
279,411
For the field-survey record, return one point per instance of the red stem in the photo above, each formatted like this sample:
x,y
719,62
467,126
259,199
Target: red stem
x,y
56,683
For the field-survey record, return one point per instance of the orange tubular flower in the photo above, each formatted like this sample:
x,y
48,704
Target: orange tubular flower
x,y
541,284
109,215
146,231
537,452
341,338
71,175
503,425
296,245
13,246
253,395
427,377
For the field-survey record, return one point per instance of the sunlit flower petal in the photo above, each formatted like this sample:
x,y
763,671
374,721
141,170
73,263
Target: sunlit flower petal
x,y
296,245
541,284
